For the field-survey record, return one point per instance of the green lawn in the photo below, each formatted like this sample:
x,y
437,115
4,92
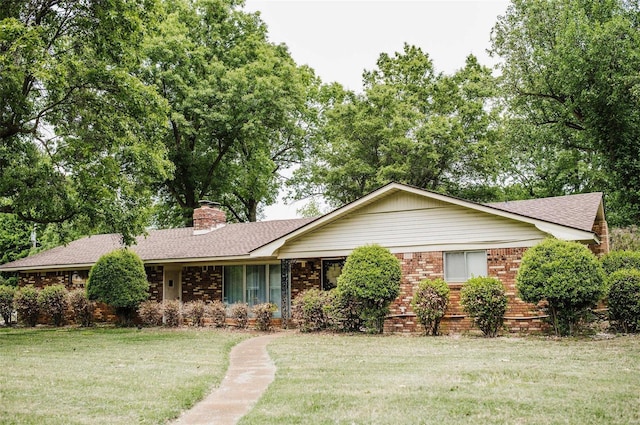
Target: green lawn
x,y
107,376
328,379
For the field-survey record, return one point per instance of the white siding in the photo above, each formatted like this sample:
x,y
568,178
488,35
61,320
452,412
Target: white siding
x,y
405,222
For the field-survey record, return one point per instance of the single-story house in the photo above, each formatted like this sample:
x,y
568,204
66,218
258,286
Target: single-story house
x,y
433,235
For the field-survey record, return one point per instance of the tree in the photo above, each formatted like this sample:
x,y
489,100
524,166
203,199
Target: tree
x,y
6,303
566,275
569,74
118,279
236,106
77,129
410,125
371,276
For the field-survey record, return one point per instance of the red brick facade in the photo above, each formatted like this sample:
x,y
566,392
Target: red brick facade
x,y
305,274
202,283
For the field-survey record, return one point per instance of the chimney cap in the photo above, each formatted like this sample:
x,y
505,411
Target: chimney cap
x,y
210,204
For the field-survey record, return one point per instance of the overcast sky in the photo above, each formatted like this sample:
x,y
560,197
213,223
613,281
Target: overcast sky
x,y
340,39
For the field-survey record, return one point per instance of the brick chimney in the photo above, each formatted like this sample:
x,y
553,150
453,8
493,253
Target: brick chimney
x,y
208,217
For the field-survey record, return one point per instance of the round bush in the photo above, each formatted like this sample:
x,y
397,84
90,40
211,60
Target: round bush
x,y
82,307
483,298
6,302
119,280
240,312
618,260
371,275
195,311
310,310
564,274
430,302
27,306
263,314
173,313
54,302
218,313
150,313
624,299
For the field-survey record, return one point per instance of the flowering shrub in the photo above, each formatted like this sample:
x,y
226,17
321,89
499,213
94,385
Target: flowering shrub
x,y
26,304
310,310
54,302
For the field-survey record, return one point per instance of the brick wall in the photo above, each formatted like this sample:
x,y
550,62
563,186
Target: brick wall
x,y
601,229
155,276
202,283
501,263
305,274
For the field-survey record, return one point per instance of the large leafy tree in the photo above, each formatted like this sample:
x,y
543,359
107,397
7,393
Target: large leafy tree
x,y
235,100
77,129
410,125
570,76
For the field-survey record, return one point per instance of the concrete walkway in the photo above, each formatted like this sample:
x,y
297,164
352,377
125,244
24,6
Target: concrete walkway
x,y
250,373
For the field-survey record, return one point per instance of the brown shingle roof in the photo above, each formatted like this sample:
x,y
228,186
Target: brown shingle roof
x,y
577,211
172,244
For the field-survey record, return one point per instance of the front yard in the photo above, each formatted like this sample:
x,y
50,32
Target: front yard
x,y
124,376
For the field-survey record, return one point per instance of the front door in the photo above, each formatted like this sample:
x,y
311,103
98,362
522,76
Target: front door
x,y
172,285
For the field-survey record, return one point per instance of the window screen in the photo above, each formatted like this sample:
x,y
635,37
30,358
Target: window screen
x,y
461,266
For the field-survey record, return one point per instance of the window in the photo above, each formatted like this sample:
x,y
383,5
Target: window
x,y
253,284
461,266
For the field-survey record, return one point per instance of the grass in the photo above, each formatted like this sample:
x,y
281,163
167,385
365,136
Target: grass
x,y
329,379
107,376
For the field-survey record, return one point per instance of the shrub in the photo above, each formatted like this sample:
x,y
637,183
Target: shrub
x,y
119,280
624,299
173,313
82,307
483,298
310,310
218,313
150,313
625,238
6,302
263,314
564,274
195,311
371,275
618,260
430,302
343,312
26,304
240,312
54,302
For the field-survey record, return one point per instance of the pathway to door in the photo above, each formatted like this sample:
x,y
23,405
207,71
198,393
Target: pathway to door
x,y
250,373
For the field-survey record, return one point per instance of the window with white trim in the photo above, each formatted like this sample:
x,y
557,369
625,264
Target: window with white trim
x,y
460,266
253,284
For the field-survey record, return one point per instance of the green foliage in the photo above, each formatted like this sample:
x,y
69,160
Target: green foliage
x,y
6,303
27,306
15,238
566,275
54,302
173,313
311,308
624,299
119,280
240,313
218,313
618,260
263,314
411,125
371,276
430,302
150,313
82,308
195,311
569,77
77,127
483,298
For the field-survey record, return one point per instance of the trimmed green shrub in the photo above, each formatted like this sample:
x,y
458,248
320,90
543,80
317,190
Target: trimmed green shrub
x,y
240,312
195,311
430,302
263,314
173,313
218,313
6,303
82,308
564,274
624,300
119,280
27,306
54,302
310,310
150,313
344,312
618,260
483,298
371,276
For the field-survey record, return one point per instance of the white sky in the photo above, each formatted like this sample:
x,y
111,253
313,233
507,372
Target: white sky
x,y
340,39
